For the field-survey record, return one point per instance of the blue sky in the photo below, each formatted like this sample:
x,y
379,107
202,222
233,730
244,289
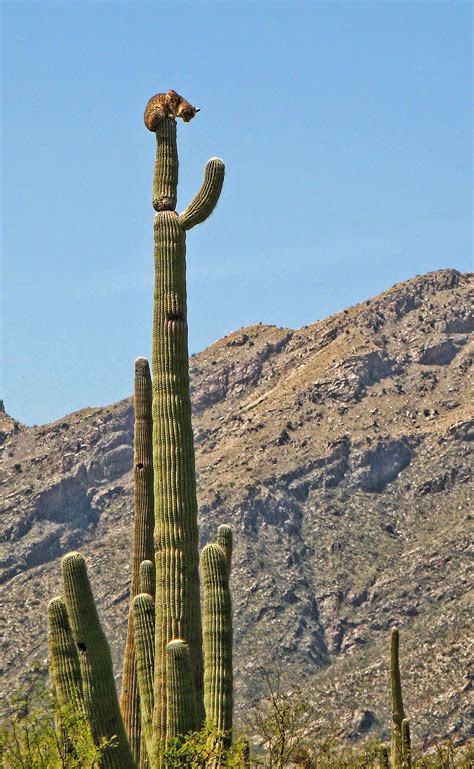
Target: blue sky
x,y
345,128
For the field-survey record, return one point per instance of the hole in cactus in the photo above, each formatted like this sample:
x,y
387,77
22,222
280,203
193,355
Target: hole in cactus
x,y
139,466
174,316
81,646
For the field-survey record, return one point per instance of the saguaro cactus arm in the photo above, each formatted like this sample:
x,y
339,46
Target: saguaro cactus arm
x,y
225,540
146,581
98,683
64,666
143,612
143,548
181,709
205,201
217,639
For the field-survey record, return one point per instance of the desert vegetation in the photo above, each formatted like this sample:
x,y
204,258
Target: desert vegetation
x,y
33,737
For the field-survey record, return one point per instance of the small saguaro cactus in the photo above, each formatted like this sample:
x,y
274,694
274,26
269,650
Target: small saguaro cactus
x,y
217,642
176,532
398,712
143,526
98,685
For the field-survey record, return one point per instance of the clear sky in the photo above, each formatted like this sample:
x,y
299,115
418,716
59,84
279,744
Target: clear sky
x,y
345,128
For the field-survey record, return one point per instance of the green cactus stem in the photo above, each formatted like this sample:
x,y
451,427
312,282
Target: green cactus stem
x,y
205,201
181,706
143,612
225,540
146,581
165,178
143,548
176,532
406,744
65,672
98,684
64,666
217,641
398,713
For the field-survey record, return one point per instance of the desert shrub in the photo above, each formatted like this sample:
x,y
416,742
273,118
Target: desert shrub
x,y
32,736
32,733
280,722
330,754
203,749
446,756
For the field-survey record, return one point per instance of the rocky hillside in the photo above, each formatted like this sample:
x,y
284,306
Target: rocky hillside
x,y
339,453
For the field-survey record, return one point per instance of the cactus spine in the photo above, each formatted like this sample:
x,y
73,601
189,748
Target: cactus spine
x,y
176,532
98,684
142,543
217,641
398,713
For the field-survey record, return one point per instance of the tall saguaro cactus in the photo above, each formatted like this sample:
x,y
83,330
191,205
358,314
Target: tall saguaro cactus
x,y
176,531
398,712
144,523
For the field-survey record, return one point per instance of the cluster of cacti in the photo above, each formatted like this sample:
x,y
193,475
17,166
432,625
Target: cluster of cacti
x,y
177,669
167,689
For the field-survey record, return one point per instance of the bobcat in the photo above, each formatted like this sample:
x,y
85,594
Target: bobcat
x,y
164,105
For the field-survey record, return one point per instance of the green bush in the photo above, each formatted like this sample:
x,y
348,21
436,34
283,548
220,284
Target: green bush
x,y
204,749
32,736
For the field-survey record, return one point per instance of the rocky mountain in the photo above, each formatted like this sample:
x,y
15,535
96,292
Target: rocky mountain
x,y
340,455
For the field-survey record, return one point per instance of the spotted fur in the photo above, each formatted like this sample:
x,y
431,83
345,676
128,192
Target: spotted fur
x,y
164,105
